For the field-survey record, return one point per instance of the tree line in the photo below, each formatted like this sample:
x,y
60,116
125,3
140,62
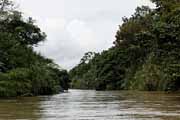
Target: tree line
x,y
145,55
24,72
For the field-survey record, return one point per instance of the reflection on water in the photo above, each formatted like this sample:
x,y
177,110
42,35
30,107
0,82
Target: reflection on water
x,y
22,108
94,105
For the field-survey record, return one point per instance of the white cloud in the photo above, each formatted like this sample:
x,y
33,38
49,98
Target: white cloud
x,y
74,27
82,34
54,24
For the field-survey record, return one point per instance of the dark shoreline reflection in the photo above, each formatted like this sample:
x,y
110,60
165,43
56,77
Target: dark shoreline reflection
x,y
20,108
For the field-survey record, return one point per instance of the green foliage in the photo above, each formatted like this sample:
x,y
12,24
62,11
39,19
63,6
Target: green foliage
x,y
145,56
15,83
150,77
23,72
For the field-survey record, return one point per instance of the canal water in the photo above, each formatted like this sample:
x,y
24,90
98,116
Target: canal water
x,y
94,105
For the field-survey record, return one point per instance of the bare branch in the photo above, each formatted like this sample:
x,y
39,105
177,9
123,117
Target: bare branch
x,y
3,4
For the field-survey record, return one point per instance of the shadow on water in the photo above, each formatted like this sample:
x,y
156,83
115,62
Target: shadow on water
x,y
94,105
20,108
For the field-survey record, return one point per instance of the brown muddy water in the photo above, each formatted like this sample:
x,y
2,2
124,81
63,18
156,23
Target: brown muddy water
x,y
94,105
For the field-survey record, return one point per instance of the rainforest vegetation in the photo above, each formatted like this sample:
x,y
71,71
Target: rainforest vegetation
x,y
145,55
24,72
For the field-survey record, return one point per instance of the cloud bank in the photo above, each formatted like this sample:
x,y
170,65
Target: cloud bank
x,y
74,27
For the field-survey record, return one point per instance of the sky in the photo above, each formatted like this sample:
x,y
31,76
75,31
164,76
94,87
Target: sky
x,y
74,27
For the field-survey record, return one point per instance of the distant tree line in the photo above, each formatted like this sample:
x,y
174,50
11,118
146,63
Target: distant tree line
x,y
24,72
145,55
